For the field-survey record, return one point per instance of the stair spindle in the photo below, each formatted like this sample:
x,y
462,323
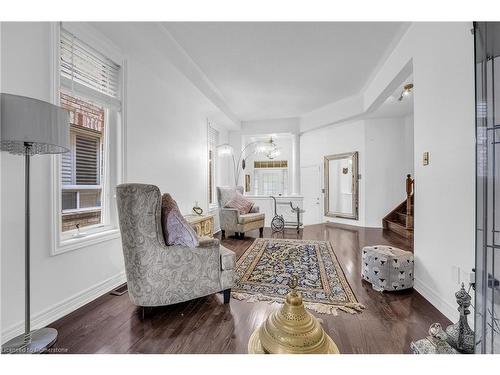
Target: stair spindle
x,y
409,207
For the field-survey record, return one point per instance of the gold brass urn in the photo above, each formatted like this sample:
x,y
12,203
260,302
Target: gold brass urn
x,y
291,330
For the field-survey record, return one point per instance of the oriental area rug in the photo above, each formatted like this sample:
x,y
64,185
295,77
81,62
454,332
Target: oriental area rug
x,y
265,270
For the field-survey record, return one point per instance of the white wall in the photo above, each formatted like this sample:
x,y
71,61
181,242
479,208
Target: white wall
x,y
410,143
236,142
346,109
389,158
336,139
281,125
440,55
385,158
167,134
166,146
288,129
443,126
285,145
445,189
25,71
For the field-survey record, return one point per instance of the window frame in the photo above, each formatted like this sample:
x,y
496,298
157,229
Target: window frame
x,y
259,172
101,161
114,166
213,160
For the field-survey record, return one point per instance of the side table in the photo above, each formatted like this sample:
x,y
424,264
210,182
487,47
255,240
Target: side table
x,y
202,224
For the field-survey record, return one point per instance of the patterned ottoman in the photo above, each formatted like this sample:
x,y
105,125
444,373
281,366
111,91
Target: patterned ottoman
x,y
387,268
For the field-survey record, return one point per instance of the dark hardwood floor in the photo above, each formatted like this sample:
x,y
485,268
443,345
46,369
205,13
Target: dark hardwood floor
x,y
112,324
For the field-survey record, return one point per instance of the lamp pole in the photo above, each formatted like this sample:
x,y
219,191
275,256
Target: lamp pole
x,y
29,127
242,158
27,307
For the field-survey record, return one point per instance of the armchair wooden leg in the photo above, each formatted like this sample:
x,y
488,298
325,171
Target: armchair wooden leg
x,y
227,295
223,234
261,232
145,311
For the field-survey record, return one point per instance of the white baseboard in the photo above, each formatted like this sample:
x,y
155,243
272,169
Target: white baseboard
x,y
443,306
58,310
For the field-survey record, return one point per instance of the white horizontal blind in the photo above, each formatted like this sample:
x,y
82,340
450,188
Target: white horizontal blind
x,y
83,65
67,168
90,88
87,160
213,137
270,164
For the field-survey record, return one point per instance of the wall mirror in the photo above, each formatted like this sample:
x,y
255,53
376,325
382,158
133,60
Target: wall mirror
x,y
341,185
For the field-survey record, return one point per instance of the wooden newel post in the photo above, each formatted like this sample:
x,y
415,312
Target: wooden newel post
x,y
409,209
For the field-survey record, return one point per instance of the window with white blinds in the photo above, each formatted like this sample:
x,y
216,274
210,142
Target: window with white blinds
x,y
83,66
270,177
213,140
90,77
82,172
90,88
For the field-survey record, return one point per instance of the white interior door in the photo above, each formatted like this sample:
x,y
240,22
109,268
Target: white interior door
x,y
310,183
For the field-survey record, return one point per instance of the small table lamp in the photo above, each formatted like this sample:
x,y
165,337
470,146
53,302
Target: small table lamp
x,y
30,127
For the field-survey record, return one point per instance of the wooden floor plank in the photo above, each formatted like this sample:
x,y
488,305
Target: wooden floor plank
x,y
112,324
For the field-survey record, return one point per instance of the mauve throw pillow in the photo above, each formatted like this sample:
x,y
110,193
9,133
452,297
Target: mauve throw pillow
x,y
239,202
176,230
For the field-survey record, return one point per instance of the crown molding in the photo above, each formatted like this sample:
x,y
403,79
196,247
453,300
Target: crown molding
x,y
188,67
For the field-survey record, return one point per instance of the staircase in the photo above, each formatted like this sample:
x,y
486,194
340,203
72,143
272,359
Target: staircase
x,y
400,220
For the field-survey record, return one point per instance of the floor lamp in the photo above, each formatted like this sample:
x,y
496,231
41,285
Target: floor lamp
x,y
30,127
269,148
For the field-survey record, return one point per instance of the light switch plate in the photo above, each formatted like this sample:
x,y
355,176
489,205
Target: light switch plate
x,y
426,158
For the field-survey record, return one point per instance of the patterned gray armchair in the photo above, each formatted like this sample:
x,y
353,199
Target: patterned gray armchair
x,y
230,218
160,275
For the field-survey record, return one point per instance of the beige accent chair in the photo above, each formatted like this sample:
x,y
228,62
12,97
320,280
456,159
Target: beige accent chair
x,y
230,218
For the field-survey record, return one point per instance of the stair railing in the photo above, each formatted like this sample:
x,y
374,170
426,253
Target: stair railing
x,y
409,206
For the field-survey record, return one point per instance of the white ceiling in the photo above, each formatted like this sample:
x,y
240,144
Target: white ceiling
x,y
266,70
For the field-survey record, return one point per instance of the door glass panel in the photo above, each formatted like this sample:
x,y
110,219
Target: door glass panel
x,y
487,296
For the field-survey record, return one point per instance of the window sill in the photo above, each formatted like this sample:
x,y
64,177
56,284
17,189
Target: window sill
x,y
70,244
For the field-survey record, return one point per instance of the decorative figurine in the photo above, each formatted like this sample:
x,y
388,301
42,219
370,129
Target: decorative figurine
x,y
435,343
197,209
460,335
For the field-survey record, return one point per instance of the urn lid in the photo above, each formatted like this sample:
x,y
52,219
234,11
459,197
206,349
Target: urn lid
x,y
291,329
